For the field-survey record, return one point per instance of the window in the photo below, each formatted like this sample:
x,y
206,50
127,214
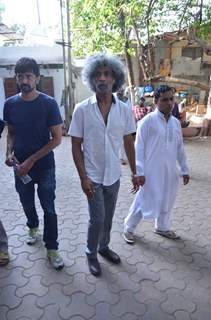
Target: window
x,y
192,52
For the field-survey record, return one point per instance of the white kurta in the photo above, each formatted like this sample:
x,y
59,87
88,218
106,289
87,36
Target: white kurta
x,y
159,147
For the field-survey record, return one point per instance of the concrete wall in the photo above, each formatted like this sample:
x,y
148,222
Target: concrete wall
x,y
161,53
181,66
176,50
184,66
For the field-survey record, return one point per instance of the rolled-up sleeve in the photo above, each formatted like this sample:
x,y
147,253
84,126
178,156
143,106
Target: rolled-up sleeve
x,y
77,123
130,125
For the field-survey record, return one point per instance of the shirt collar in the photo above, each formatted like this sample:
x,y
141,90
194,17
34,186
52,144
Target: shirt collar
x,y
160,114
94,99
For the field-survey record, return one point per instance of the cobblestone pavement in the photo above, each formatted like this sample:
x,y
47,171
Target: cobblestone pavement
x,y
158,279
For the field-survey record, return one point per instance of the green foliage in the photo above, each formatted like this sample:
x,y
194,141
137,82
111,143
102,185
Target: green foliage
x,y
2,9
100,25
19,28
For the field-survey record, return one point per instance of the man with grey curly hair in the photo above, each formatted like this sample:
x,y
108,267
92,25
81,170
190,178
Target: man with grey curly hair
x,y
99,124
101,60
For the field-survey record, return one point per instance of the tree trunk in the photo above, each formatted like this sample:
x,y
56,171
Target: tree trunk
x,y
130,74
209,98
181,81
140,54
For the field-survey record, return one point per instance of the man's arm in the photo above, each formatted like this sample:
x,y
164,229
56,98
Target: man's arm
x,y
130,152
181,158
10,145
78,158
56,133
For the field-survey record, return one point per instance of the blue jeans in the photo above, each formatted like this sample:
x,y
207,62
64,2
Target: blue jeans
x,y
3,239
101,211
46,183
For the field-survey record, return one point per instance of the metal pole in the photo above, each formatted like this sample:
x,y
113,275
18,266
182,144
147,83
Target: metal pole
x,y
64,65
70,77
38,12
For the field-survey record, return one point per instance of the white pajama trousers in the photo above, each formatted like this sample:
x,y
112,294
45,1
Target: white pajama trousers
x,y
135,215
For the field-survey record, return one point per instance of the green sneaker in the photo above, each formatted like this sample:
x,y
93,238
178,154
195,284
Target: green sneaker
x,y
55,259
32,236
4,258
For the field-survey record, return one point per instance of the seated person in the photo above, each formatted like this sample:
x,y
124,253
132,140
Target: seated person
x,y
206,125
122,96
140,110
179,111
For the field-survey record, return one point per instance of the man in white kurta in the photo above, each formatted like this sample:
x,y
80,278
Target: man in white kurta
x,y
159,147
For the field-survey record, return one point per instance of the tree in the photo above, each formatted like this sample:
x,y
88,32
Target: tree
x,y
129,27
19,28
2,9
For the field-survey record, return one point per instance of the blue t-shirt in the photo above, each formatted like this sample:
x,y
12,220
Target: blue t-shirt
x,y
32,121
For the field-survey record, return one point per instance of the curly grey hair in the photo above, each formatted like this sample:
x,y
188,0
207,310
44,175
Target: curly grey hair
x,y
103,60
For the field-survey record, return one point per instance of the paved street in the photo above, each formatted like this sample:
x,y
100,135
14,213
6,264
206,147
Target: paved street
x,y
158,279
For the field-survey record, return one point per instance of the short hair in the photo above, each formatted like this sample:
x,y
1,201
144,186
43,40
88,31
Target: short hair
x,y
173,89
103,60
161,89
26,64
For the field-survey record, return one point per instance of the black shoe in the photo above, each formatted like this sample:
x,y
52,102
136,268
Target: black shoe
x,y
94,266
185,124
110,256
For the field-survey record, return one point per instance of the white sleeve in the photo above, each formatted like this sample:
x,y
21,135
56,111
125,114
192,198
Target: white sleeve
x,y
130,125
140,144
181,156
77,123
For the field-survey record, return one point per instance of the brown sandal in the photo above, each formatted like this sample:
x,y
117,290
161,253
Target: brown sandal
x,y
4,258
170,234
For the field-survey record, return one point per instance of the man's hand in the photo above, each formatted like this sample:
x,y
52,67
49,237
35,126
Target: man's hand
x,y
9,160
186,179
137,182
24,167
87,187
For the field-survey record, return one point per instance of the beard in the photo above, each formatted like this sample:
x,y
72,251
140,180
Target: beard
x,y
102,88
26,88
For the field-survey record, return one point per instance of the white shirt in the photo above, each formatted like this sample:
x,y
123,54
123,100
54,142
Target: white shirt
x,y
102,142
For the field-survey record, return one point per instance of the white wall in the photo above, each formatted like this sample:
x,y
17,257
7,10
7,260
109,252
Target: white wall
x,y
42,54
57,75
58,81
2,97
81,91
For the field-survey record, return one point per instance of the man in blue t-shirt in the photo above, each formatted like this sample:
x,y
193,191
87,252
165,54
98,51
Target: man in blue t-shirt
x,y
34,130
